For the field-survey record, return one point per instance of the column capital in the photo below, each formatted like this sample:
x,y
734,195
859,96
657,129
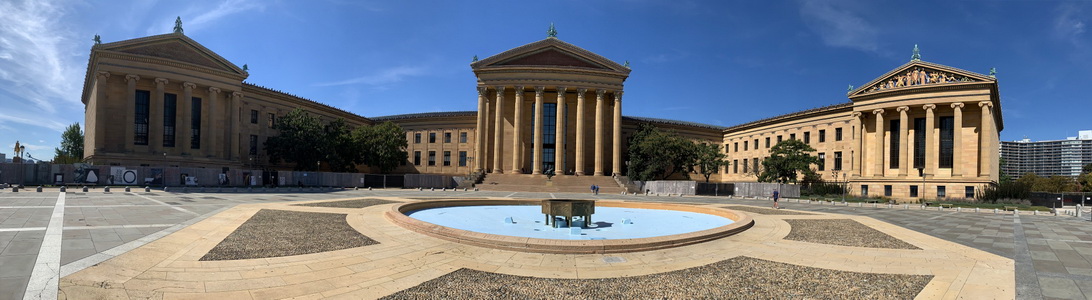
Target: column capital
x,y
600,92
856,114
878,111
539,90
102,75
561,89
581,91
985,104
929,107
237,95
500,90
519,89
161,81
189,85
132,77
482,90
957,105
214,90
902,108
618,95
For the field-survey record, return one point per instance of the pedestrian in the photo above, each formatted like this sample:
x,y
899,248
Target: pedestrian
x,y
593,189
775,196
596,189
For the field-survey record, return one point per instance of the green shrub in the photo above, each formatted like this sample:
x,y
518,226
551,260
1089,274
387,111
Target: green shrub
x,y
1006,191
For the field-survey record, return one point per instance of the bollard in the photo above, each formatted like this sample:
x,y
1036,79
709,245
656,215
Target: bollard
x,y
126,189
84,189
419,189
1035,212
444,190
923,207
475,189
39,189
106,189
464,189
369,188
940,208
995,211
959,209
976,209
15,189
1015,212
906,206
860,204
432,189
63,189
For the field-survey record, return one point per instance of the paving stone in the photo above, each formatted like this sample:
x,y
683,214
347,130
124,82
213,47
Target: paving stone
x,y
1060,288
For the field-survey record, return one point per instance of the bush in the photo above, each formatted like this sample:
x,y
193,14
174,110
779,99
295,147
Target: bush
x,y
1007,191
822,188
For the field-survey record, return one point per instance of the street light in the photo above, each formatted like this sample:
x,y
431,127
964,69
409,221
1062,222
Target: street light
x,y
921,193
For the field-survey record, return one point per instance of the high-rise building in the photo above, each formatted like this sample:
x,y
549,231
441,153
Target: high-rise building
x,y
1047,158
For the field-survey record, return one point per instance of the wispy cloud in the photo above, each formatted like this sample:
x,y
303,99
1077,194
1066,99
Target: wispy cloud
x,y
200,16
32,120
1069,24
34,54
381,78
838,26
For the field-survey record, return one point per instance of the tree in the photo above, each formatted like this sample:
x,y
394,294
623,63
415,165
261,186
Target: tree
x,y
1052,184
301,141
710,159
1004,177
343,153
656,154
71,150
383,145
788,159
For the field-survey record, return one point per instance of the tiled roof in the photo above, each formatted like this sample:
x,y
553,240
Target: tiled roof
x,y
439,114
790,115
672,122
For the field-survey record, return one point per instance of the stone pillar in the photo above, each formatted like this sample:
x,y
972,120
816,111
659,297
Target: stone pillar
x,y
616,147
236,100
214,141
517,132
155,129
100,110
559,136
857,145
580,130
957,140
904,146
486,130
130,111
536,154
186,116
498,137
877,160
599,132
930,142
986,147
479,132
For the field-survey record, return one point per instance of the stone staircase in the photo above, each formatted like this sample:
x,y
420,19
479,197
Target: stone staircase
x,y
559,184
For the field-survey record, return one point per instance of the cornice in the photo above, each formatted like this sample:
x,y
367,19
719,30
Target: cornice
x,y
261,90
584,53
848,106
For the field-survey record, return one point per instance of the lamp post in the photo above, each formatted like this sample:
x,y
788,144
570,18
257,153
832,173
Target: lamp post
x,y
921,193
845,179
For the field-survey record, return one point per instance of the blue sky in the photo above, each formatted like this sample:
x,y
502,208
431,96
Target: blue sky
x,y
714,62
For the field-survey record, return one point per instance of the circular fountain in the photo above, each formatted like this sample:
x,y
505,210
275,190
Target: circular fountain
x,y
568,226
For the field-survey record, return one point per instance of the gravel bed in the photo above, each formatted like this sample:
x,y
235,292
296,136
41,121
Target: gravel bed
x,y
276,233
736,278
767,211
843,232
358,203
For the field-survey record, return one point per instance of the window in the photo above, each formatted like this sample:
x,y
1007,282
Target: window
x,y
253,116
416,158
745,164
913,191
778,139
432,158
940,191
894,142
822,161
462,137
140,120
727,148
735,147
756,144
864,190
807,137
919,143
792,136
253,144
170,111
838,161
417,138
947,134
272,120
431,137
744,145
767,143
195,123
968,192
447,137
887,190
462,158
822,135
735,166
838,134
754,165
447,157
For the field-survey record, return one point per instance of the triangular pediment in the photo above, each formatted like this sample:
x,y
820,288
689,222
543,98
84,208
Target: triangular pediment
x,y
550,52
918,74
176,47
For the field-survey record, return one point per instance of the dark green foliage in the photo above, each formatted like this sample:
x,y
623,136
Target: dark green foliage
x,y
787,160
71,150
709,159
656,154
384,145
823,188
1052,184
995,192
301,141
305,141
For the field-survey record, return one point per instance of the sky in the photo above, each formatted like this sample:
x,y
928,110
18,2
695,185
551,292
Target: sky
x,y
715,62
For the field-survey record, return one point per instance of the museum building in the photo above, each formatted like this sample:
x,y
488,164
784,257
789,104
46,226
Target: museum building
x,y
545,107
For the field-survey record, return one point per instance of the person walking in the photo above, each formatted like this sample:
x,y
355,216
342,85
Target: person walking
x,y
776,195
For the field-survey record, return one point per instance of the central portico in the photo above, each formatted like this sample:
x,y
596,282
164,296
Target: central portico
x,y
549,105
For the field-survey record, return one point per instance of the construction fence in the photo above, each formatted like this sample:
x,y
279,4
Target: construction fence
x,y
737,189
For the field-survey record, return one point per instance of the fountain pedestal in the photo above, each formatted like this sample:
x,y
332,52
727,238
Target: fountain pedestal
x,y
568,208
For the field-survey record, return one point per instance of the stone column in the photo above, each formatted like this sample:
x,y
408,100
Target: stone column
x,y
486,129
186,116
930,142
155,129
479,132
214,141
986,147
858,144
130,112
498,137
616,147
599,132
517,132
957,140
877,160
580,130
904,146
559,136
100,110
536,154
236,99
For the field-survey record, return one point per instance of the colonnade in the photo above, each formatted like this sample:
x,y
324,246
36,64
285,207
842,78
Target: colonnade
x,y
875,167
493,123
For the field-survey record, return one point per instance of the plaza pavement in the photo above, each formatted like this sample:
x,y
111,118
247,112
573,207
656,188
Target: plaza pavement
x,y
91,237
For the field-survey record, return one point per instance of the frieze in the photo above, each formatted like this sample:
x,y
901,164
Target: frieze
x,y
918,76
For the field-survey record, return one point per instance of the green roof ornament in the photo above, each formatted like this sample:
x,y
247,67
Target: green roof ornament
x,y
850,88
178,25
475,59
917,54
993,72
97,40
552,32
627,64
246,68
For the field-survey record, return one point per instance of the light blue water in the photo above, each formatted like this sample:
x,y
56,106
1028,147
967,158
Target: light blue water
x,y
607,222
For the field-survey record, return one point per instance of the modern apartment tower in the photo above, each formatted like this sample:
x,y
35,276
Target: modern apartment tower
x,y
1047,158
